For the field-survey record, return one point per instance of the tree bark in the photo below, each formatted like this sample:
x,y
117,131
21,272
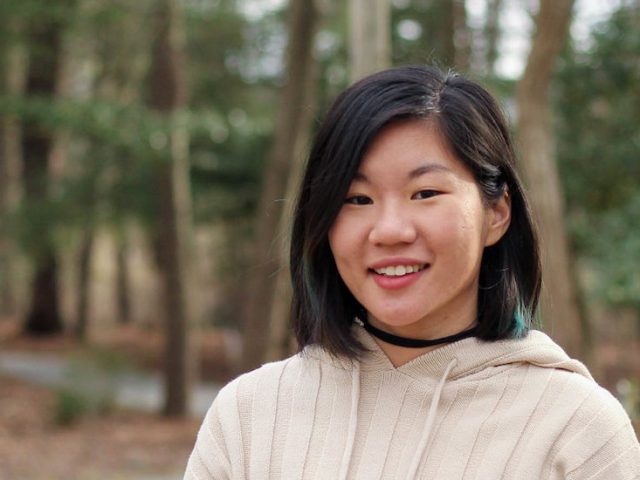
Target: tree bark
x,y
82,311
123,281
45,47
281,342
461,36
294,103
370,36
14,81
121,59
445,47
168,96
559,307
492,35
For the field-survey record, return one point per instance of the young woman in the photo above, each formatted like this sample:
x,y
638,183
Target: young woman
x,y
416,274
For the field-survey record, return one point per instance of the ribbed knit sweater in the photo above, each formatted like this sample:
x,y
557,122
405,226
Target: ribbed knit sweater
x,y
513,409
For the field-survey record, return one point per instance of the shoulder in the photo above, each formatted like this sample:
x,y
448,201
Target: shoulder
x,y
267,376
268,380
596,436
234,407
587,395
578,394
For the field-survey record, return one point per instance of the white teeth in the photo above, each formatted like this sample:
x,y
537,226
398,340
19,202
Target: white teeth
x,y
399,270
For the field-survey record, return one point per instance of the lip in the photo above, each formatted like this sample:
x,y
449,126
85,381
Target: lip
x,y
393,261
394,283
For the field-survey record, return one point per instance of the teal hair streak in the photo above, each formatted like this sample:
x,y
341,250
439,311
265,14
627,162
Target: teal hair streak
x,y
522,320
310,288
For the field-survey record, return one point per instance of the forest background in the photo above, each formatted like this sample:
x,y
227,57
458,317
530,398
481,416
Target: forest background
x,y
150,151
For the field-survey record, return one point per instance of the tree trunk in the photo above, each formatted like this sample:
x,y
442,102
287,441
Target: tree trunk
x,y
461,37
370,36
45,45
445,47
446,39
82,311
123,282
167,96
43,317
121,58
289,128
492,35
559,307
281,342
15,63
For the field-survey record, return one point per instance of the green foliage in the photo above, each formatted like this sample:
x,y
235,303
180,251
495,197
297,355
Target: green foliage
x,y
116,168
69,407
118,143
90,389
598,112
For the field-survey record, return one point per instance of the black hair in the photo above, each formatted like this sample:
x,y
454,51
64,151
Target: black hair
x,y
472,123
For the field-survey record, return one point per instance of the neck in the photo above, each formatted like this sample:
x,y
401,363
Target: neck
x,y
401,349
398,356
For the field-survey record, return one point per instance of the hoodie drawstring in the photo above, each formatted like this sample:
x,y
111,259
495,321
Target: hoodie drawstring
x,y
426,431
353,421
428,426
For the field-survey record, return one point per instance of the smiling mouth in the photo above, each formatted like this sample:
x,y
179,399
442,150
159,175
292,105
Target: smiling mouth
x,y
399,270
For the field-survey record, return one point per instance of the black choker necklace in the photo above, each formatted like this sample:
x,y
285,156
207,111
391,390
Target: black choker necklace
x,y
413,342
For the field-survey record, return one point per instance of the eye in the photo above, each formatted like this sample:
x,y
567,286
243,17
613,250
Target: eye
x,y
424,194
358,200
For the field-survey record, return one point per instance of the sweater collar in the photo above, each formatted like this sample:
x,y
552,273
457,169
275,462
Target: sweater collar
x,y
471,355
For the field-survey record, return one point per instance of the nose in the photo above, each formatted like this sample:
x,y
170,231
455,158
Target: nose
x,y
392,226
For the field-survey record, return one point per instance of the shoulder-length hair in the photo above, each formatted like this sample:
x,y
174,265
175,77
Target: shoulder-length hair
x,y
472,123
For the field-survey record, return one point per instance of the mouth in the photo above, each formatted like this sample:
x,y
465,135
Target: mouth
x,y
399,270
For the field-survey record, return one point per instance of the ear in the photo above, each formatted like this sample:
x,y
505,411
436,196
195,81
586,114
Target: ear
x,y
499,218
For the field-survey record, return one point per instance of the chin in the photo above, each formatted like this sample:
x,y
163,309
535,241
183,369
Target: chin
x,y
395,319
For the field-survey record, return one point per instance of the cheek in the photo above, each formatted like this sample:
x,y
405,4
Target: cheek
x,y
340,243
461,232
343,236
347,249
334,239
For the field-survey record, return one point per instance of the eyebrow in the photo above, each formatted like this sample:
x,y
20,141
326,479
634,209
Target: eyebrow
x,y
428,168
413,174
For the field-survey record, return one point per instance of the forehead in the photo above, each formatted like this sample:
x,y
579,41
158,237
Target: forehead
x,y
411,148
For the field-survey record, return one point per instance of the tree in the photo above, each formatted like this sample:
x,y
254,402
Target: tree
x,y
536,141
45,32
434,31
113,31
492,35
597,112
290,128
13,84
123,281
168,96
461,36
370,36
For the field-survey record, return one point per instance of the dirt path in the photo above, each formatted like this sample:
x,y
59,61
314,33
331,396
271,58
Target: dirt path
x,y
118,446
129,443
137,391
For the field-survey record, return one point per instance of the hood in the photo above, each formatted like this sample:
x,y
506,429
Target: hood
x,y
471,355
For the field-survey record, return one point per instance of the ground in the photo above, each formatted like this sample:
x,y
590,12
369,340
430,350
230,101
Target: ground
x,y
115,446
107,446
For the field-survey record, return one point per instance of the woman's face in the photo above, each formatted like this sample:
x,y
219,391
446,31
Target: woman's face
x,y
409,238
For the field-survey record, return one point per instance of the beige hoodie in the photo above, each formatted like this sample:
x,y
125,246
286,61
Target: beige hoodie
x,y
513,409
